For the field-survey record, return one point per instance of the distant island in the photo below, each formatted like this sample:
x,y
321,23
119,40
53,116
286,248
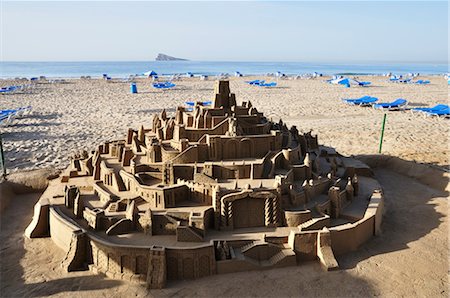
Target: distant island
x,y
164,57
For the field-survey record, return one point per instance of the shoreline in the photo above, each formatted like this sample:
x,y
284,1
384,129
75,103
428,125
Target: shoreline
x,y
197,75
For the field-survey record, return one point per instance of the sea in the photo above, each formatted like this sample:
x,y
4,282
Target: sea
x,y
125,69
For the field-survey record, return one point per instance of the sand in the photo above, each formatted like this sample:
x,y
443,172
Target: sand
x,y
80,114
410,257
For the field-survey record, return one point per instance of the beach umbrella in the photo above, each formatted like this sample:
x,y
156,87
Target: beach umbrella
x,y
150,73
346,82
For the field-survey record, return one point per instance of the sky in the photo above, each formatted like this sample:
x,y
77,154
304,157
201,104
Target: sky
x,y
316,31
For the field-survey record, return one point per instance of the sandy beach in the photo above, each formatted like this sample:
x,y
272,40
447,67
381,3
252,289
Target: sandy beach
x,y
80,114
410,258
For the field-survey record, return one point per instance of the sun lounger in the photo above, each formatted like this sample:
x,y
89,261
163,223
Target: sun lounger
x,y
396,104
360,101
440,113
432,109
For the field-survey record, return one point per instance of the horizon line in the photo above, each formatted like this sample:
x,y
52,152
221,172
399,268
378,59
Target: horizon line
x,y
238,61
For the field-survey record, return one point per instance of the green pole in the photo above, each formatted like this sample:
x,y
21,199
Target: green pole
x,y
2,159
382,133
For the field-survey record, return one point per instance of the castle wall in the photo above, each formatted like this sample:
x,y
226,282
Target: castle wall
x,y
158,197
198,192
190,263
349,237
256,146
295,218
163,225
104,195
168,154
61,228
185,172
188,156
195,134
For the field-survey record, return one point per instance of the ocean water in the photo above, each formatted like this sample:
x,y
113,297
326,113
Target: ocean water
x,y
124,69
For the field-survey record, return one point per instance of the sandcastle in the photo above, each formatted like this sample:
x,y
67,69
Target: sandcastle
x,y
214,189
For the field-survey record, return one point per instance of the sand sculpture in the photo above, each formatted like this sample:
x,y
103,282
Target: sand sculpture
x,y
211,190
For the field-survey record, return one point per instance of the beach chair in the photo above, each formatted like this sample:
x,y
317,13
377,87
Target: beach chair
x,y
365,100
432,109
397,104
443,113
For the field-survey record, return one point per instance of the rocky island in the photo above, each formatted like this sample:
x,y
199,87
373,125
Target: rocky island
x,y
164,57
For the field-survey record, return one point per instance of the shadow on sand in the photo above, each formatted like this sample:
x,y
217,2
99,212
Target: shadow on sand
x,y
13,222
409,212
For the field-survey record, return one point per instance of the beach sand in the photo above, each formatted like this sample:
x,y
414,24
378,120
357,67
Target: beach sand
x,y
80,114
410,257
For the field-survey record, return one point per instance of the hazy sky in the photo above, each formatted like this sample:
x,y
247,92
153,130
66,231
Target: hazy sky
x,y
400,31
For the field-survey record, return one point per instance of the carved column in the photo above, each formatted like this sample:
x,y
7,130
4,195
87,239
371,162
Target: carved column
x,y
275,211
268,211
229,206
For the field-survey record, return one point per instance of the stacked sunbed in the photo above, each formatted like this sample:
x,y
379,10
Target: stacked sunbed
x,y
400,79
261,83
163,85
339,80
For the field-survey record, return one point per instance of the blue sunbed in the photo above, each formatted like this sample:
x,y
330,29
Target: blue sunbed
x,y
165,85
396,104
255,82
441,113
205,103
271,84
8,116
421,82
432,109
365,100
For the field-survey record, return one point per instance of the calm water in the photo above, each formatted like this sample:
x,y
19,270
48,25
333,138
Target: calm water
x,y
123,69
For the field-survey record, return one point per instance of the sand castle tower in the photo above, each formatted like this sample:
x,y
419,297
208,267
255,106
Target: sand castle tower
x,y
223,97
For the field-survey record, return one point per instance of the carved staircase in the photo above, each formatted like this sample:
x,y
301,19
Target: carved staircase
x,y
263,255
